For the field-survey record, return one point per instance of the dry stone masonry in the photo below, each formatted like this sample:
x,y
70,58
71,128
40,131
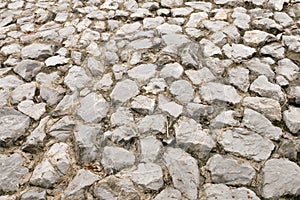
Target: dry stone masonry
x,y
144,99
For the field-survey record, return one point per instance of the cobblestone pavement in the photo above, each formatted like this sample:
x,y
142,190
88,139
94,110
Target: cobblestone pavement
x,y
133,99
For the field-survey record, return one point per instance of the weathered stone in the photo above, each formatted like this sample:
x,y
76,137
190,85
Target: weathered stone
x,y
13,126
35,111
66,105
291,118
191,56
88,141
209,48
104,83
264,88
24,91
56,60
169,193
238,52
95,66
80,182
201,76
172,108
37,51
196,110
221,191
287,68
28,69
152,123
290,149
192,138
62,128
34,194
261,66
76,79
143,104
292,42
283,19
93,108
124,90
225,169
147,175
257,37
115,159
182,90
274,50
143,72
174,41
270,108
12,172
123,133
241,19
35,141
277,4
171,3
281,177
224,119
10,49
216,91
226,2
150,149
184,172
54,165
196,18
121,117
239,77
260,124
172,70
246,143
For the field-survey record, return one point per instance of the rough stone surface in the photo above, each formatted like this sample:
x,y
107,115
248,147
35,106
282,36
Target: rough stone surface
x,y
124,90
291,118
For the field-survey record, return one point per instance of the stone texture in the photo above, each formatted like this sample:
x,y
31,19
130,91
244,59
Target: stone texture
x,y
291,118
124,90
37,51
281,177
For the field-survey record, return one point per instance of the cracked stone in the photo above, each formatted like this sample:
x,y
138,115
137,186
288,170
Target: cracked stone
x,y
182,90
76,78
28,69
291,118
224,119
239,77
37,51
33,110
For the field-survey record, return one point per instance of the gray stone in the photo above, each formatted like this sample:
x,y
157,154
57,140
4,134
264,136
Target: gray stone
x,y
62,128
66,105
201,76
197,110
225,169
292,42
238,52
239,77
124,90
171,107
217,66
150,149
200,5
148,175
143,104
264,88
260,67
24,91
115,159
171,3
37,51
80,182
287,68
182,90
260,124
93,108
35,141
246,143
117,187
277,4
95,66
13,126
209,48
33,110
34,194
169,193
283,19
196,18
184,171
12,172
76,79
104,83
174,41
88,141
215,26
128,29
10,49
181,12
121,117
257,37
52,95
142,73
28,69
294,94
190,56
171,70
275,50
191,137
56,60
241,19
289,149
213,91
54,165
152,123
221,191
155,86
123,133
281,177
224,119
270,108
291,118
226,2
